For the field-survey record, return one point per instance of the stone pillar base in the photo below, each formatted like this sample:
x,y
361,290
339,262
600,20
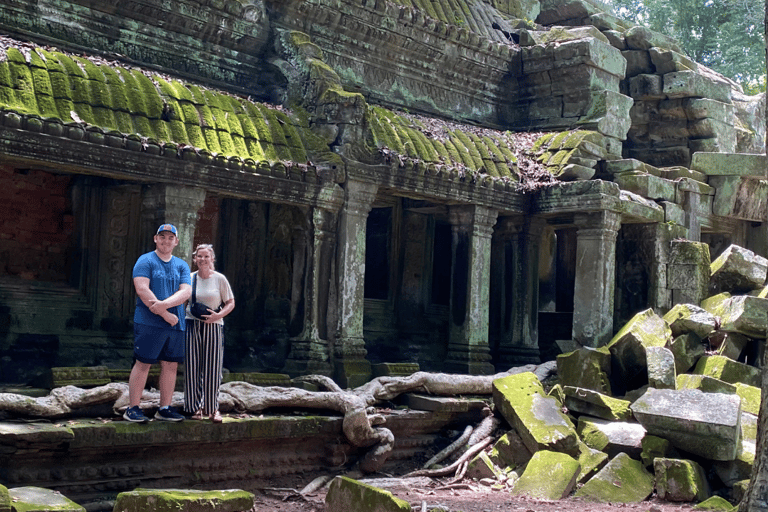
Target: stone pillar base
x,y
351,373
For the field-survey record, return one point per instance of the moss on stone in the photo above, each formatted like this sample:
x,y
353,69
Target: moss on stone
x,y
463,156
622,480
24,87
239,143
85,112
225,143
476,161
152,99
104,118
750,397
196,137
716,504
65,107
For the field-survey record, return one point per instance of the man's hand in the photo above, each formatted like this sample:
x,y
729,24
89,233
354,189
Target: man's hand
x,y
169,317
157,307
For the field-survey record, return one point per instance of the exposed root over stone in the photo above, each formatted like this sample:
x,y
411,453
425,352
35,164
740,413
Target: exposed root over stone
x,y
362,428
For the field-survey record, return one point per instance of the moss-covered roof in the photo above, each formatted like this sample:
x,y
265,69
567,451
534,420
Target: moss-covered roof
x,y
93,92
467,148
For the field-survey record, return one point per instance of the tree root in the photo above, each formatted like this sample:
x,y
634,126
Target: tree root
x,y
471,452
361,427
451,448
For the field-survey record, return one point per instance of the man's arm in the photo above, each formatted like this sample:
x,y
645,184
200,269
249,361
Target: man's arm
x,y
180,297
143,291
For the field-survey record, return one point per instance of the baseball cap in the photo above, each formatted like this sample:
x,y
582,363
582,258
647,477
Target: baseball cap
x,y
167,227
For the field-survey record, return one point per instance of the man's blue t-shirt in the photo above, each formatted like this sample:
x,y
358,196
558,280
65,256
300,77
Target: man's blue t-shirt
x,y
164,281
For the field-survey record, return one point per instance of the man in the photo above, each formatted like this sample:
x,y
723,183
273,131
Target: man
x,y
163,285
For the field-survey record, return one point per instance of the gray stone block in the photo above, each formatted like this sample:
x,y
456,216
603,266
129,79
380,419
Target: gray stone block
x,y
704,424
348,494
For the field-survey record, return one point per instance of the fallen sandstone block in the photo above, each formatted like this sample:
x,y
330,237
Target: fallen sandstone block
x,y
685,318
744,314
645,329
737,270
548,475
588,368
622,480
346,494
680,480
704,424
536,417
661,367
592,403
38,499
611,437
728,370
141,500
686,349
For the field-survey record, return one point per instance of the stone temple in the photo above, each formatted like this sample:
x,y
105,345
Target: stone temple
x,y
375,176
457,186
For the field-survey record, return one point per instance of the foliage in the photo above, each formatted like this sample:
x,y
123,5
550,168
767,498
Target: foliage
x,y
724,35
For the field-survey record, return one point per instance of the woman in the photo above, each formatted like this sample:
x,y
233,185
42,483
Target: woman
x,y
204,355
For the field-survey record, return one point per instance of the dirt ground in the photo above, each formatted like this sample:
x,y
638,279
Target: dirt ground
x,y
425,494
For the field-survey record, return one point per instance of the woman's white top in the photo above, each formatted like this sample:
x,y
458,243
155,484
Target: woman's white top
x,y
212,292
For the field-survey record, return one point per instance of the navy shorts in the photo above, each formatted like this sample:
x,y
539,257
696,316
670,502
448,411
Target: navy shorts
x,y
153,344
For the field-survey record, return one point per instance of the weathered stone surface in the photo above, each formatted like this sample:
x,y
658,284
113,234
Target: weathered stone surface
x,y
536,417
510,451
730,164
688,273
667,61
704,383
38,499
642,38
750,398
732,471
680,480
548,475
685,318
481,466
140,500
347,494
728,370
587,368
645,329
685,84
717,504
661,367
654,447
737,270
591,461
686,349
744,314
648,186
592,403
611,437
442,403
622,480
739,197
705,424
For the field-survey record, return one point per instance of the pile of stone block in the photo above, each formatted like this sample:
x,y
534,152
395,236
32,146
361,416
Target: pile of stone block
x,y
669,405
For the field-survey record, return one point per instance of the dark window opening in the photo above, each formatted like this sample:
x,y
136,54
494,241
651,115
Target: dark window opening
x,y
377,253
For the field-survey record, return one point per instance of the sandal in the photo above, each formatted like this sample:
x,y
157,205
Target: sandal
x,y
216,417
198,415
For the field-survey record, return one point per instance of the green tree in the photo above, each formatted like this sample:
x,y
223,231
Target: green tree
x,y
724,35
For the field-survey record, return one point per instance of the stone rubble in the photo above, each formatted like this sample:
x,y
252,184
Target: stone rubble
x,y
668,406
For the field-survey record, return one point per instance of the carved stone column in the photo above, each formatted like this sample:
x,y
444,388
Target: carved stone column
x,y
312,292
350,366
468,349
520,239
595,277
177,204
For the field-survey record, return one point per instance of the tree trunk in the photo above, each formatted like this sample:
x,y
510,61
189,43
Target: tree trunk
x,y
756,497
